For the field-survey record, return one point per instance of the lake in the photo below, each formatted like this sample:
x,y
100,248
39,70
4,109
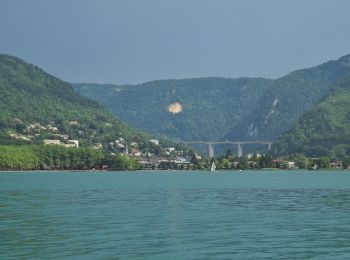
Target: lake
x,y
175,215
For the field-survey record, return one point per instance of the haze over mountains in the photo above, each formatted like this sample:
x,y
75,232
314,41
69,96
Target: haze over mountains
x,y
220,108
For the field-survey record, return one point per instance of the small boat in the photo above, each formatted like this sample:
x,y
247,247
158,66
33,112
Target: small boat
x,y
213,167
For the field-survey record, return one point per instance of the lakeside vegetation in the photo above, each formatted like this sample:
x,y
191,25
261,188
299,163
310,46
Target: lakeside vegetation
x,y
257,161
55,157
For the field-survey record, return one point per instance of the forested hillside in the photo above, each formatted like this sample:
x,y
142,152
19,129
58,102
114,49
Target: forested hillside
x,y
288,98
29,95
209,106
324,130
35,106
219,108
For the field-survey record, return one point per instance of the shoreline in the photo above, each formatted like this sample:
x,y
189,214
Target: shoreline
x,y
167,171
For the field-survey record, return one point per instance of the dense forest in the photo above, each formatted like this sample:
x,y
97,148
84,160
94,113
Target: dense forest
x,y
208,104
322,131
29,95
288,98
35,106
219,108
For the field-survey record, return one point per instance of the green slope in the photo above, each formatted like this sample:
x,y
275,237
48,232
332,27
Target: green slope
x,y
219,108
288,98
28,95
209,105
324,130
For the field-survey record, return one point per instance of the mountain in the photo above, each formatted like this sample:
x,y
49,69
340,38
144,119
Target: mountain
x,y
287,99
35,106
322,131
189,109
219,108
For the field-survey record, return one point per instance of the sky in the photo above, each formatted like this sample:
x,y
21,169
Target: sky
x,y
133,41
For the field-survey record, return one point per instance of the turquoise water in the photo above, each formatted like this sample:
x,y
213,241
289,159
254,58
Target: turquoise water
x,y
175,215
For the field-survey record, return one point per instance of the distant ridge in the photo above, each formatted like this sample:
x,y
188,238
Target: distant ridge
x,y
288,98
220,108
324,130
209,105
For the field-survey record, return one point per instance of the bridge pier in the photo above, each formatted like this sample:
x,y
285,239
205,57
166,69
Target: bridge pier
x,y
269,146
239,150
238,143
211,150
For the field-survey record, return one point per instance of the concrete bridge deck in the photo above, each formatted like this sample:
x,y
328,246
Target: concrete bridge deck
x,y
238,143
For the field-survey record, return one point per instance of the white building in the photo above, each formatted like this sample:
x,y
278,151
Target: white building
x,y
50,141
168,150
75,142
69,145
154,141
198,157
74,122
119,145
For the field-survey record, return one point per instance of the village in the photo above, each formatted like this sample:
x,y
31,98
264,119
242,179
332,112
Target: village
x,y
166,158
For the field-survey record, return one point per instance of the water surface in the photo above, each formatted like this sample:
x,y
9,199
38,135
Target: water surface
x,y
175,215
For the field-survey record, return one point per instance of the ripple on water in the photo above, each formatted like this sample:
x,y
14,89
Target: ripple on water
x,y
180,222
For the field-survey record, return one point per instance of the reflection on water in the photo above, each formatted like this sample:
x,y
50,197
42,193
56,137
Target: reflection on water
x,y
176,222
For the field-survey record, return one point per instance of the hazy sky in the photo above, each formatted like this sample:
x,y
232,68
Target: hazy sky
x,y
134,41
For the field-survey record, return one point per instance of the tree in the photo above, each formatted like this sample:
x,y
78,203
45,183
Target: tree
x,y
324,162
346,162
243,163
265,161
229,154
301,161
